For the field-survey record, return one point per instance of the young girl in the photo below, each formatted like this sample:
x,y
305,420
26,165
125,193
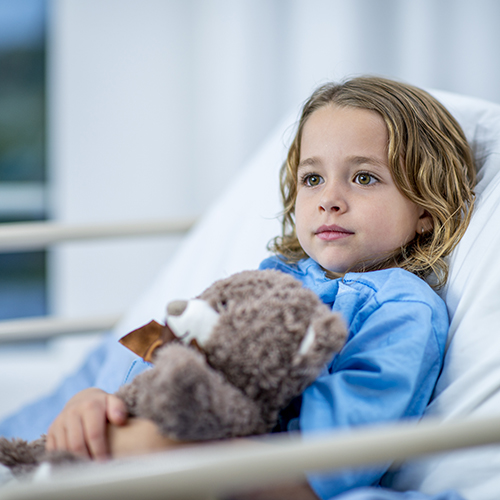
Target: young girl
x,y
377,190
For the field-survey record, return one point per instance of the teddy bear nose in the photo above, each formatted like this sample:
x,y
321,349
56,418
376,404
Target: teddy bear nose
x,y
176,307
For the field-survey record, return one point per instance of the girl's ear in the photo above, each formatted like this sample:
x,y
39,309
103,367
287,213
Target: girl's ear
x,y
425,223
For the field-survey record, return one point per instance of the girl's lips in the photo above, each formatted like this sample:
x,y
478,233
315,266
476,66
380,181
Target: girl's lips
x,y
330,233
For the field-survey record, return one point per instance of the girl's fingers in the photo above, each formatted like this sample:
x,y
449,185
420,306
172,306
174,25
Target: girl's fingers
x,y
116,410
75,436
56,437
93,427
50,443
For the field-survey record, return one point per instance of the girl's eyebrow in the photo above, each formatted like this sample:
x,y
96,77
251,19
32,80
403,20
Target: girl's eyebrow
x,y
308,162
372,160
354,160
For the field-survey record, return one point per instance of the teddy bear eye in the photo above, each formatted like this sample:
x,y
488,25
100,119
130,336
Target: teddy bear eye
x,y
221,305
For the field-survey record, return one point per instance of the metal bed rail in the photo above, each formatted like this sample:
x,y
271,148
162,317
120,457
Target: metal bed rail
x,y
45,328
217,470
18,237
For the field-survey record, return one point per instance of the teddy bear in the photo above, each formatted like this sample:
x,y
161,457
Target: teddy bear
x,y
224,364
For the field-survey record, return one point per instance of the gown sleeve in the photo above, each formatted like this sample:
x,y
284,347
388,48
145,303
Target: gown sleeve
x,y
386,372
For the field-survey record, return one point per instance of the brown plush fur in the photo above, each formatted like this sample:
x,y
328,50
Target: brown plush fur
x,y
250,367
23,457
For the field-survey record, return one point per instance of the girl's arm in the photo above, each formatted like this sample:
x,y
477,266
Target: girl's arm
x,y
139,436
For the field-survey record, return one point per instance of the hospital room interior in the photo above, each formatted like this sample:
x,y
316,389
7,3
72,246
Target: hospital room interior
x,y
140,145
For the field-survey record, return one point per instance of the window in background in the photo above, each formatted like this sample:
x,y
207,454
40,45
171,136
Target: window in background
x,y
22,150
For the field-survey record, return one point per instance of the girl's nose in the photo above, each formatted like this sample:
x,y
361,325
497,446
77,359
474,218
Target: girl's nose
x,y
332,199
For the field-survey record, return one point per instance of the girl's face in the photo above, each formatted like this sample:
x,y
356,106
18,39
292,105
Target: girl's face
x,y
348,210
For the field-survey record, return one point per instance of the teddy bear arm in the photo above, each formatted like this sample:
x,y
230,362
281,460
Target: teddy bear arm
x,y
190,401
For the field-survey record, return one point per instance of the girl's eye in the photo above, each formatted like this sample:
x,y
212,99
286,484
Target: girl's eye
x,y
365,179
312,180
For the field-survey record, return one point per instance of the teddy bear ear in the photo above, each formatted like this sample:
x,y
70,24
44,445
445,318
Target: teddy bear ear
x,y
145,340
325,336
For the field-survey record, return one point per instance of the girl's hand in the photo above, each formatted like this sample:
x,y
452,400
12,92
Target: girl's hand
x,y
81,427
139,436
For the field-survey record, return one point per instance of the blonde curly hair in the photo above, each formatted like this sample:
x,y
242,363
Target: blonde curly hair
x,y
430,160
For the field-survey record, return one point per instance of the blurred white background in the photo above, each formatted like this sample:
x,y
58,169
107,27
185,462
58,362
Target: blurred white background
x,y
155,105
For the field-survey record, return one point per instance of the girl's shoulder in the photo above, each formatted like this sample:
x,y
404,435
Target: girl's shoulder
x,y
395,296
298,269
275,262
394,284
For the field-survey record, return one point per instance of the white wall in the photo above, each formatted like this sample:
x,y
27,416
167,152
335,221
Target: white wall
x,y
120,147
155,104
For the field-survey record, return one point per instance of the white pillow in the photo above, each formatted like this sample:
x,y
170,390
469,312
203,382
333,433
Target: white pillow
x,y
469,385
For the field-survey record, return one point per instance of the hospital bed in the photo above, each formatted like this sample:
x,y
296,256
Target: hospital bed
x,y
464,414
